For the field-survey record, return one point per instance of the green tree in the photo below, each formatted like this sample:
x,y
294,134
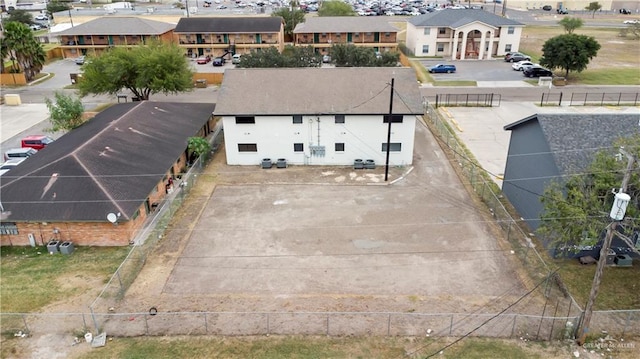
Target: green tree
x,y
56,6
291,19
634,29
576,211
19,15
356,56
336,8
22,48
570,52
593,7
65,113
570,24
199,146
145,70
292,56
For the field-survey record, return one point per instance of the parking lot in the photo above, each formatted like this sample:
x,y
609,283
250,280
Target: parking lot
x,y
473,70
315,238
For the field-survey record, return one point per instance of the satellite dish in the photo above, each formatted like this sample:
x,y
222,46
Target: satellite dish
x,y
111,217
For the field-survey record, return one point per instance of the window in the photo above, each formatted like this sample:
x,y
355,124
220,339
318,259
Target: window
x,y
440,47
442,30
298,147
387,34
339,118
297,118
247,147
394,119
395,147
425,49
339,147
507,47
8,228
427,31
511,30
245,119
357,34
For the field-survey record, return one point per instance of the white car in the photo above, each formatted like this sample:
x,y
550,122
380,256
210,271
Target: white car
x,y
634,21
9,164
522,65
42,17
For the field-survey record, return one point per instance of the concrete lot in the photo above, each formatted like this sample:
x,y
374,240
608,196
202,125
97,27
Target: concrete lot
x,y
339,236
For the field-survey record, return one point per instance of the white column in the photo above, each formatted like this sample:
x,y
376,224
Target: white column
x,y
482,45
490,52
454,45
463,46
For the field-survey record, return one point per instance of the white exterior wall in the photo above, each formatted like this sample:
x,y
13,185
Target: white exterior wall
x,y
513,39
416,39
275,136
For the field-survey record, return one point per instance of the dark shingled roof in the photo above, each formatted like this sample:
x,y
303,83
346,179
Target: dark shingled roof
x,y
336,24
228,25
574,138
108,165
342,90
455,18
119,26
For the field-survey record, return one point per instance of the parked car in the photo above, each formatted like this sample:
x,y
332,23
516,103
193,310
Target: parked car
x,y
19,153
634,21
562,11
547,8
537,71
235,59
516,57
521,65
221,7
37,142
442,68
218,61
79,60
42,17
326,59
202,60
9,164
625,11
35,27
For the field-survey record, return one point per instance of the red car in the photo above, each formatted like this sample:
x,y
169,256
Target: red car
x,y
37,142
202,60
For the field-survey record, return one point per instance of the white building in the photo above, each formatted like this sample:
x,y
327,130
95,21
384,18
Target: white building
x,y
463,34
318,116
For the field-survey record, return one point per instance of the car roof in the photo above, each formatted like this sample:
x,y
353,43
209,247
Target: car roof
x,y
34,137
13,161
21,150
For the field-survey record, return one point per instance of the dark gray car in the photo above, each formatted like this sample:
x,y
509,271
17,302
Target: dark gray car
x,y
516,57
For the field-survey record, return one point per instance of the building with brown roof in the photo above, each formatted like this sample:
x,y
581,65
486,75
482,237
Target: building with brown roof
x,y
95,36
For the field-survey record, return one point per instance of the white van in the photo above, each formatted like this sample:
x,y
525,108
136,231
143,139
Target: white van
x,y
235,59
19,153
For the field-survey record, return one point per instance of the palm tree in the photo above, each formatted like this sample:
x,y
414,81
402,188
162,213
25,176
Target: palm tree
x,y
24,51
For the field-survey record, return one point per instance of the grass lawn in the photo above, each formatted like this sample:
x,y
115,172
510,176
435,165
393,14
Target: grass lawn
x,y
31,278
321,347
619,288
455,83
617,62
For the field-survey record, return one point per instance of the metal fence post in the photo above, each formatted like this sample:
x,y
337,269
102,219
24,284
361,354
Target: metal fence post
x,y
146,325
560,100
268,325
513,326
389,326
451,324
119,280
602,100
95,322
437,101
206,325
84,323
24,320
327,324
542,99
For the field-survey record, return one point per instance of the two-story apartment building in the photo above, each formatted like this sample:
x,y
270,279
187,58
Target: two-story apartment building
x,y
368,31
95,36
217,36
462,34
318,116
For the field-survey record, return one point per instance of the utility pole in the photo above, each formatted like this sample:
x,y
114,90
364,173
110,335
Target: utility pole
x,y
604,251
390,119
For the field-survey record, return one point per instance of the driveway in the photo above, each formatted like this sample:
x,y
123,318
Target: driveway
x,y
475,70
